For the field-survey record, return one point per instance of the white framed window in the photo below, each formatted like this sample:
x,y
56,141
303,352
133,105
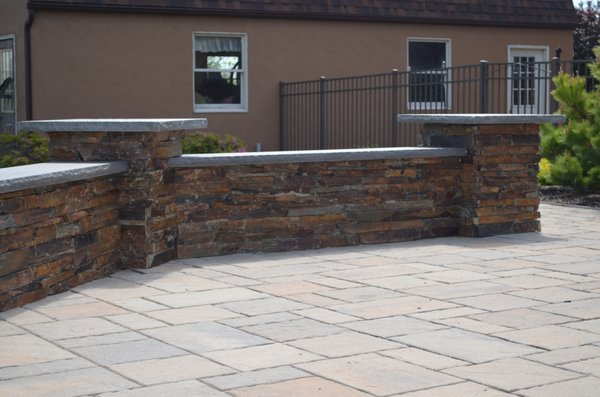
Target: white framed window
x,y
220,72
428,60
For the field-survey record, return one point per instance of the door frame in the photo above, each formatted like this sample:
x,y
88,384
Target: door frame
x,y
541,51
14,61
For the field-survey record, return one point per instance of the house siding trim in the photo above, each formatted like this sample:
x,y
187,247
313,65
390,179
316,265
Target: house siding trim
x,y
322,15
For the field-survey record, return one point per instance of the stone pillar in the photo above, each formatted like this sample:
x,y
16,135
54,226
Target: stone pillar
x,y
499,174
147,210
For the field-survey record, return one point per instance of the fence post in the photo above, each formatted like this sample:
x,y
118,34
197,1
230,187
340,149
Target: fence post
x,y
554,70
322,113
483,86
395,109
281,116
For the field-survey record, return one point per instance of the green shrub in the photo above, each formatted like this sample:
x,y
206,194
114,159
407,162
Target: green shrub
x,y
574,148
545,169
212,143
24,148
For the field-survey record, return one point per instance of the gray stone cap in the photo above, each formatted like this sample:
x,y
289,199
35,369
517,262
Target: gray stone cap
x,y
112,125
482,118
311,156
31,176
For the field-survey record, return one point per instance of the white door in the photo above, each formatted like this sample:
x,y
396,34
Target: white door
x,y
528,80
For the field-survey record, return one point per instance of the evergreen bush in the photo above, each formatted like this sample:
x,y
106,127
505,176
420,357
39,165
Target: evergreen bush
x,y
573,149
23,148
212,143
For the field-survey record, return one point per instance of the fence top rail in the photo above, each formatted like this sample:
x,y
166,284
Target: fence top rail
x,y
310,156
31,176
483,118
446,69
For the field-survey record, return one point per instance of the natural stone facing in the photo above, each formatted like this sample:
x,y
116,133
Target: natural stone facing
x,y
281,207
482,118
499,188
311,156
53,238
31,176
113,125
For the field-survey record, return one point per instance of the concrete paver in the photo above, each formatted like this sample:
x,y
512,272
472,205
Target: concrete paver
x,y
74,383
493,317
513,373
583,387
521,318
259,357
185,388
305,387
124,352
205,336
172,369
291,330
344,344
378,375
568,355
466,389
28,349
550,337
466,345
253,378
392,326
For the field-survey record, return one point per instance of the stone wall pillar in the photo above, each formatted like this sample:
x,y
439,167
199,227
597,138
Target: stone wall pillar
x,y
499,174
147,210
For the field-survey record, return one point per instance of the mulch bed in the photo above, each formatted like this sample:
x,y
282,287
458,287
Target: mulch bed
x,y
567,196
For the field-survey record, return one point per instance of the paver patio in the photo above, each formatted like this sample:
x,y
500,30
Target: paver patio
x,y
507,315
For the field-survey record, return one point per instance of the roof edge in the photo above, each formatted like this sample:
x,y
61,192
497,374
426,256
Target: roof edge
x,y
60,6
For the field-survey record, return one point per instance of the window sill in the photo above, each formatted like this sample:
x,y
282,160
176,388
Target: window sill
x,y
220,110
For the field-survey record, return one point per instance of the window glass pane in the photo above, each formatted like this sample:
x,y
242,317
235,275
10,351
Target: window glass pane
x,y
426,55
427,87
218,52
217,87
223,62
7,104
524,81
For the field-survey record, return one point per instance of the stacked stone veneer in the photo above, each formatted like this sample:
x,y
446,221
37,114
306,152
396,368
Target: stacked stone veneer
x,y
55,237
302,205
156,205
499,174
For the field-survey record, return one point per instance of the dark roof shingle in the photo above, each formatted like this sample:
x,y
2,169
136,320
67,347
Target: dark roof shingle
x,y
529,13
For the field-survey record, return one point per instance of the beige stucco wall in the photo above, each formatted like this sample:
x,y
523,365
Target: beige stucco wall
x,y
13,14
132,65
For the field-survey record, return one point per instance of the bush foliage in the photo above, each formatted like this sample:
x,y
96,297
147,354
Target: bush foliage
x,y
573,149
212,143
29,147
24,148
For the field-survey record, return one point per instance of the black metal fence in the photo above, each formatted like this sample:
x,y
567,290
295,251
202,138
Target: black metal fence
x,y
360,111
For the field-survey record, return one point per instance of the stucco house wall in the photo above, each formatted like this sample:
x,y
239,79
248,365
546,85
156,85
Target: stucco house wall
x,y
90,64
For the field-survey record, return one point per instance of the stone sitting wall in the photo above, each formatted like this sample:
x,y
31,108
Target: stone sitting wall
x,y
293,205
145,204
58,235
